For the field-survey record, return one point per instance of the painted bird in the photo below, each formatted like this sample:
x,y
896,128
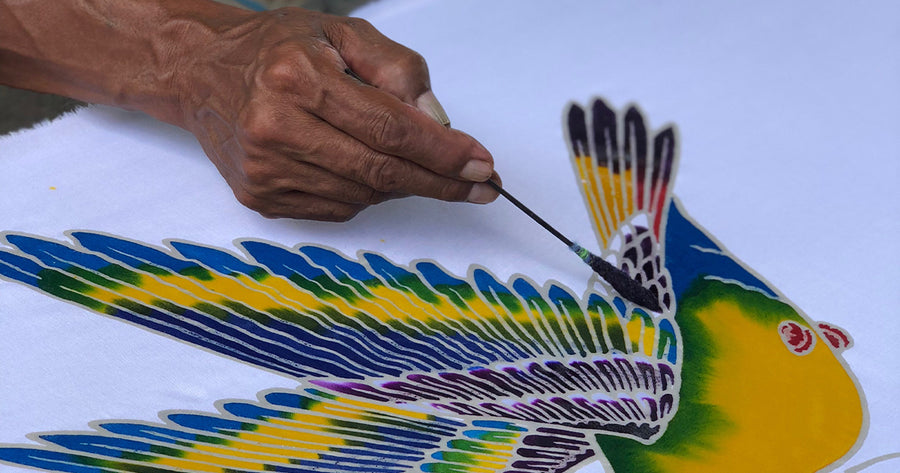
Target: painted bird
x,y
764,387
412,369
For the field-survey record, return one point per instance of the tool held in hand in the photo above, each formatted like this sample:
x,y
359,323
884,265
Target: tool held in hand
x,y
618,279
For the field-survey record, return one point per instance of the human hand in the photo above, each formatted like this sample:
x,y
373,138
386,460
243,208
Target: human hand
x,y
270,99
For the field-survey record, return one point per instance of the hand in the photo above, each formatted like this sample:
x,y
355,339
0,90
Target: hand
x,y
295,134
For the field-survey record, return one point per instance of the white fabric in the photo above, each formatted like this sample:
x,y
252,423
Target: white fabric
x,y
790,156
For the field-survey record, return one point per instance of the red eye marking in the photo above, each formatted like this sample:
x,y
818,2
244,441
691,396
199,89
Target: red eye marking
x,y
796,338
836,336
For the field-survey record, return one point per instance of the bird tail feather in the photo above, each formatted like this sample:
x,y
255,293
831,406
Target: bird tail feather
x,y
625,175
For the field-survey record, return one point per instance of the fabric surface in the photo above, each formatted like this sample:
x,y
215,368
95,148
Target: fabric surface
x,y
786,116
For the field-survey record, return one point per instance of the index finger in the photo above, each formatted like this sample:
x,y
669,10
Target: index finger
x,y
386,124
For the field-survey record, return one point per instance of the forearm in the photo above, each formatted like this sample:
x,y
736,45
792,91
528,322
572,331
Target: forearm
x,y
123,53
265,93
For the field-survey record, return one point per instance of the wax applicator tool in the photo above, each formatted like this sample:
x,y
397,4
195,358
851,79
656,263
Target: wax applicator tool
x,y
627,287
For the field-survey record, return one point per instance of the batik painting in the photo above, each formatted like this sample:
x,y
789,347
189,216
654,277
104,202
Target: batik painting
x,y
405,367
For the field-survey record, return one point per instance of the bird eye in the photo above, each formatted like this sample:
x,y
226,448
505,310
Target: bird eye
x,y
836,336
798,339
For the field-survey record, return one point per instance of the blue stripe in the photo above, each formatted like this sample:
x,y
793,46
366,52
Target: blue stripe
x,y
130,253
218,260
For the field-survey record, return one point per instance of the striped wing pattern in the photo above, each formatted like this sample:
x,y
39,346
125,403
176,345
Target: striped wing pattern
x,y
304,431
473,353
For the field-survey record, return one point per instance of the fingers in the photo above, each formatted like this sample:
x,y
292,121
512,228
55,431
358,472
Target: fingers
x,y
378,60
329,148
307,140
304,206
277,174
385,124
279,187
389,66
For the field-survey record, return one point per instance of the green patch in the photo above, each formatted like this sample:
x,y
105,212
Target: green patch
x,y
197,272
354,285
455,298
153,269
121,273
470,446
169,306
335,288
168,451
68,288
696,426
134,307
615,331
493,436
577,325
307,403
296,318
373,283
259,274
323,287
506,306
546,315
138,457
457,457
93,277
213,310
247,312
594,313
413,284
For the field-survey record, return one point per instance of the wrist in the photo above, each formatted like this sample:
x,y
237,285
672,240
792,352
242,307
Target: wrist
x,y
133,54
183,44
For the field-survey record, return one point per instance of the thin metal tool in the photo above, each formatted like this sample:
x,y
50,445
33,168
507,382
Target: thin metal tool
x,y
618,279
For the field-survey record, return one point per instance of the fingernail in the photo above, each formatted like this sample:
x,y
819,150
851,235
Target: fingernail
x,y
476,170
481,194
429,104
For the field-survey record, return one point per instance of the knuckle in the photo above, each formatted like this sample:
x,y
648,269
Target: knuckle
x,y
315,97
411,63
258,126
281,73
387,130
453,191
329,211
293,71
366,195
342,213
345,29
408,68
383,174
255,172
250,201
357,25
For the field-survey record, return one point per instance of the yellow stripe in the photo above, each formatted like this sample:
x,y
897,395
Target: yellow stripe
x,y
248,450
625,178
202,462
589,184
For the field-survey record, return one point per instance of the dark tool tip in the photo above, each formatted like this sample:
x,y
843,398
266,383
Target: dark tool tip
x,y
627,287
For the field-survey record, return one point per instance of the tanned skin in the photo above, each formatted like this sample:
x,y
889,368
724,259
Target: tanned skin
x,y
305,115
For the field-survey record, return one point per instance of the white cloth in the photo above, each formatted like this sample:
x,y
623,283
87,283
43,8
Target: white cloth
x,y
790,156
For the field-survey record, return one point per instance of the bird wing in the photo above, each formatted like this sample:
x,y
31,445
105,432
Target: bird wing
x,y
624,177
305,431
369,328
313,312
